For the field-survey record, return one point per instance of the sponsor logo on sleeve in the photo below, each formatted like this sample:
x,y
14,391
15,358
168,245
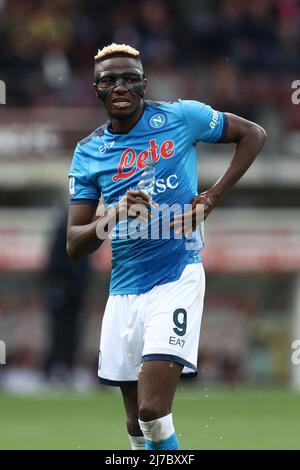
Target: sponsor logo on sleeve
x,y
214,120
71,185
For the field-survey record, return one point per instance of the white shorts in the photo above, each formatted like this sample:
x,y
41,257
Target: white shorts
x,y
162,324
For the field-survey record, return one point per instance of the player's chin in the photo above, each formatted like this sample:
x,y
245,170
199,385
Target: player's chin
x,y
122,113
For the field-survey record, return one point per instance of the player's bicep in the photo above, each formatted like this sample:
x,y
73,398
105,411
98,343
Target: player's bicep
x,y
237,128
203,122
83,187
81,214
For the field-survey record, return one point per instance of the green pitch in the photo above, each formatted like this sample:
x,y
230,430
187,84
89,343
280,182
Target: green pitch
x,y
204,419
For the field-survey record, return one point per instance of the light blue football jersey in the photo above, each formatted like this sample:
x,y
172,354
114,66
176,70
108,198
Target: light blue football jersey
x,y
109,164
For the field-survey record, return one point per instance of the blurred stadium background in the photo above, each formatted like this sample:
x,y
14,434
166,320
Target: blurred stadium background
x,y
238,56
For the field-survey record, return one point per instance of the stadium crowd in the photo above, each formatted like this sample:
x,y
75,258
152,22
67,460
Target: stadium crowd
x,y
239,55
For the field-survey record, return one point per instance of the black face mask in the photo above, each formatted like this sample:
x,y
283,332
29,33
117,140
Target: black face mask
x,y
131,79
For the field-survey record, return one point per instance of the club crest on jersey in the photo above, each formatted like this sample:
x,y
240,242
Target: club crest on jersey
x,y
130,161
157,120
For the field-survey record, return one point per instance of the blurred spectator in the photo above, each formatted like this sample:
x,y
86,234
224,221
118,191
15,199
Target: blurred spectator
x,y
65,285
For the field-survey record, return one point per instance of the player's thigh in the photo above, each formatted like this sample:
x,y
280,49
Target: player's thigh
x,y
121,342
156,387
130,398
173,319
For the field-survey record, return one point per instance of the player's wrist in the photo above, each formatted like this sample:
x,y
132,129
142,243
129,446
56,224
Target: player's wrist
x,y
216,192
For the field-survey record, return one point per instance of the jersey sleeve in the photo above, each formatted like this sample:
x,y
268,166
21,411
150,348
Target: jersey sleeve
x,y
82,188
204,123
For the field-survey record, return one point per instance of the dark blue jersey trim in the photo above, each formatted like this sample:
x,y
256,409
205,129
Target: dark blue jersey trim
x,y
93,202
225,128
97,132
169,357
133,383
117,383
153,103
189,375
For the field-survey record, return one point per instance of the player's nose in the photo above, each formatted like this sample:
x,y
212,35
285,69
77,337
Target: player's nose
x,y
120,87
120,92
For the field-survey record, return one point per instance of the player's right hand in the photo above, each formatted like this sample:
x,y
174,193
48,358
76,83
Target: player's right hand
x,y
134,204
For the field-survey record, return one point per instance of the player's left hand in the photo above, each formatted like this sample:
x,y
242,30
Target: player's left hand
x,y
210,199
202,206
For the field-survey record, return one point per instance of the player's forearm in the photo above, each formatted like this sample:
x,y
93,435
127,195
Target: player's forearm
x,y
82,240
245,153
85,239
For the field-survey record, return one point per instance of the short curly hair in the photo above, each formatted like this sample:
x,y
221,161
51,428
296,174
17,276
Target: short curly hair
x,y
116,50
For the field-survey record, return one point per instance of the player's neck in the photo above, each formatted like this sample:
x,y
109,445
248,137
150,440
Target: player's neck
x,y
122,126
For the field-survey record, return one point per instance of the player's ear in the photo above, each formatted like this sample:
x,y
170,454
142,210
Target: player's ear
x,y
145,84
95,88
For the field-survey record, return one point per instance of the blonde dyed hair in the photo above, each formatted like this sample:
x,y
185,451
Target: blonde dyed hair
x,y
115,49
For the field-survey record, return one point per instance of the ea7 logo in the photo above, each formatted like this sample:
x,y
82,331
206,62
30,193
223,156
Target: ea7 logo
x,y
296,94
105,146
2,353
176,341
2,92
